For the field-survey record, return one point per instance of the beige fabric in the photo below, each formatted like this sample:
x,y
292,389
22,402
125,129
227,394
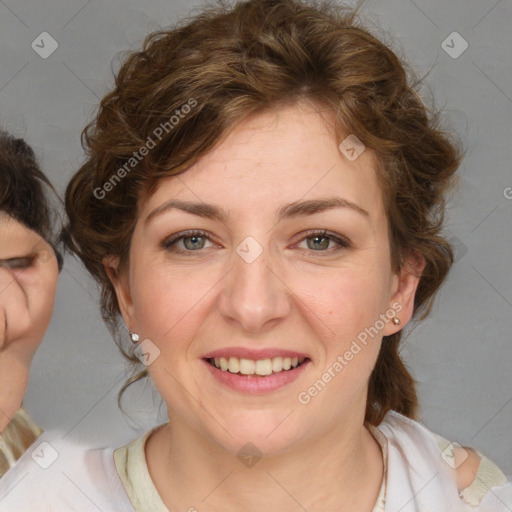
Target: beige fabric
x,y
130,461
17,437
488,476
381,439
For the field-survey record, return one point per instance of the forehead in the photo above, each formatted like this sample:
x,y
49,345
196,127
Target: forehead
x,y
14,232
276,157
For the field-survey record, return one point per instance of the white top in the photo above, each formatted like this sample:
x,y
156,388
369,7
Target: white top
x,y
56,475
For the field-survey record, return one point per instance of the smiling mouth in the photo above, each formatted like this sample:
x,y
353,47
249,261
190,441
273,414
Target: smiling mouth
x,y
259,368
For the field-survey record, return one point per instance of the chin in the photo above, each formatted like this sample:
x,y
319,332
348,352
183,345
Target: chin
x,y
259,432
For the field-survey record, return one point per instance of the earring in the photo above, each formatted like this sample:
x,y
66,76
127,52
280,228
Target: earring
x,y
134,337
396,320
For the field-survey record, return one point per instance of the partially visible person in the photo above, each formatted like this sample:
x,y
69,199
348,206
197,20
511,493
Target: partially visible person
x,y
29,268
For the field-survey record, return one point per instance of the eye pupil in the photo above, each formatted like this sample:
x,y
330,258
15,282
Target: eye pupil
x,y
194,239
322,245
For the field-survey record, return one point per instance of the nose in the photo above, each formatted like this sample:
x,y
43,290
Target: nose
x,y
254,295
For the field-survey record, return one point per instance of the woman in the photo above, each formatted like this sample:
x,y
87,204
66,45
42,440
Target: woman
x,y
29,267
261,205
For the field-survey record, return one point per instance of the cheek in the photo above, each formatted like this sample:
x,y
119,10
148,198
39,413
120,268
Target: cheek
x,y
40,280
345,309
346,300
40,285
167,303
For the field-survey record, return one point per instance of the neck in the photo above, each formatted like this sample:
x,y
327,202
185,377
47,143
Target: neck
x,y
339,471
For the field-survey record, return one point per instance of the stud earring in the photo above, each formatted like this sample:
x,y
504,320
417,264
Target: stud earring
x,y
396,320
134,337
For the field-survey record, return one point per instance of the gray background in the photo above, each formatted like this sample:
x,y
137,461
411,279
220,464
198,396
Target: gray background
x,y
461,355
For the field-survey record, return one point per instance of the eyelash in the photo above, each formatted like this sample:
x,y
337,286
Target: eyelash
x,y
169,243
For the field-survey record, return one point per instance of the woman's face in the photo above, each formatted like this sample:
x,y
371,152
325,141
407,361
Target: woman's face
x,y
265,281
28,280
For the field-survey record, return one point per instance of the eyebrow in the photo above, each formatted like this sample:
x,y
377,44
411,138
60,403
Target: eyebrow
x,y
290,210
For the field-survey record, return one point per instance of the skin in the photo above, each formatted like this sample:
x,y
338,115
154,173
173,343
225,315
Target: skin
x,y
28,280
318,456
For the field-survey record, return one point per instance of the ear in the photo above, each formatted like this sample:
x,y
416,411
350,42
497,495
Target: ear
x,y
121,285
404,288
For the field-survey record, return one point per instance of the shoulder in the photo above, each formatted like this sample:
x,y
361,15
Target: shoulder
x,y
466,463
60,474
437,469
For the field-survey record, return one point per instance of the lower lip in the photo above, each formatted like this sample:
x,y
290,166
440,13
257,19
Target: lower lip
x,y
254,384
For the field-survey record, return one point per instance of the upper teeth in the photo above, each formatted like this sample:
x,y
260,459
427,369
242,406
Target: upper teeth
x,y
259,367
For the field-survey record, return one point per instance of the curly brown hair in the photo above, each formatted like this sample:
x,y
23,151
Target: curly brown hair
x,y
227,62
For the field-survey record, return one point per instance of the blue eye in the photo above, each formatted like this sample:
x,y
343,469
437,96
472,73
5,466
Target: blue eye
x,y
194,241
322,239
